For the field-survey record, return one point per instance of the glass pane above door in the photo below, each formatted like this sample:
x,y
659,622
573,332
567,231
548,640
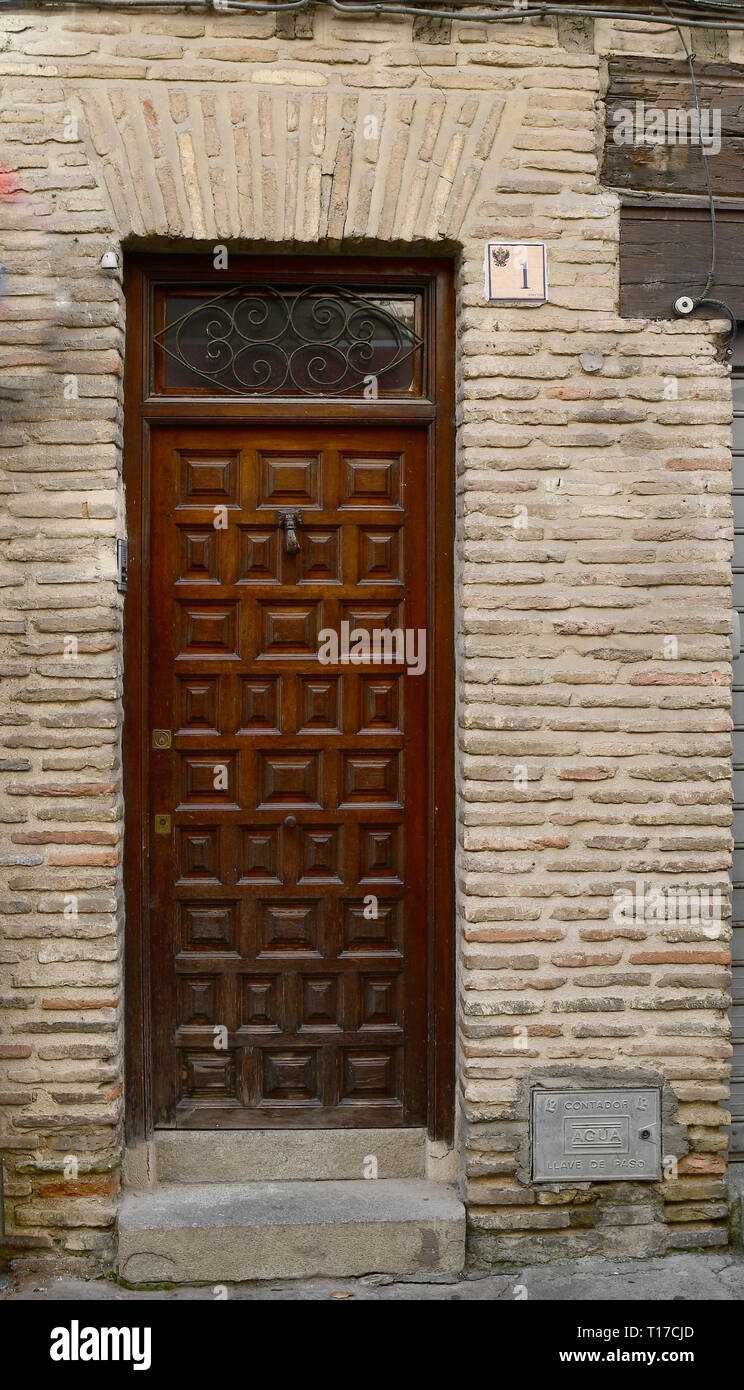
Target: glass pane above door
x,y
264,340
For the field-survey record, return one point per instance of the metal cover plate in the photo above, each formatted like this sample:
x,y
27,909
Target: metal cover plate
x,y
597,1136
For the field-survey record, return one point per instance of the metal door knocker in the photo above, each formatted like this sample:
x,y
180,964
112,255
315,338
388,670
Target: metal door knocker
x,y
290,523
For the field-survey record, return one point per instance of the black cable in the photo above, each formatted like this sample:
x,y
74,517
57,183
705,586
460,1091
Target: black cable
x,y
543,10
704,153
510,16
703,300
503,15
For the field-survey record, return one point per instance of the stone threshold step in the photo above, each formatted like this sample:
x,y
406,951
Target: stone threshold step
x,y
275,1155
233,1232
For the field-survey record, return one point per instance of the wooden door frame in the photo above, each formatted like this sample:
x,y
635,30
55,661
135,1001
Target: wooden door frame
x,y
141,412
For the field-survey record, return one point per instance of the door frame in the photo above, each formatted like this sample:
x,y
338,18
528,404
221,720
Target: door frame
x,y
141,412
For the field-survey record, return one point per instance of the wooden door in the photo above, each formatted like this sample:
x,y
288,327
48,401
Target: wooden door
x,y
288,890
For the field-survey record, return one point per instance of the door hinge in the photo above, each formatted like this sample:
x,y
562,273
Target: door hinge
x,y
161,738
122,565
162,825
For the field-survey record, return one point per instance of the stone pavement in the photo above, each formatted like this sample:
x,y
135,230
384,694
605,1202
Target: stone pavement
x,y
686,1277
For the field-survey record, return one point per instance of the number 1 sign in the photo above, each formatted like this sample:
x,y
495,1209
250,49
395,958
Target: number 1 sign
x,y
516,272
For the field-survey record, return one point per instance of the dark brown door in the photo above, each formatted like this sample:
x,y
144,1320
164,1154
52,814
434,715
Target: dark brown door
x,y
288,892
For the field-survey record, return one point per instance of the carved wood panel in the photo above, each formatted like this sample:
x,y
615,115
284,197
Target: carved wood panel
x,y
289,899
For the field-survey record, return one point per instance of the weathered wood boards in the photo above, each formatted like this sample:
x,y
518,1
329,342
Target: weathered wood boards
x,y
675,166
665,252
653,152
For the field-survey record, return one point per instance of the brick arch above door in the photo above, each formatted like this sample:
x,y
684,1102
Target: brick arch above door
x,y
303,165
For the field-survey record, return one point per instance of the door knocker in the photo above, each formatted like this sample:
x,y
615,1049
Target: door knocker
x,y
290,523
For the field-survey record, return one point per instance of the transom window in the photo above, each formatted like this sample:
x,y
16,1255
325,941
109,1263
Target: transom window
x,y
266,340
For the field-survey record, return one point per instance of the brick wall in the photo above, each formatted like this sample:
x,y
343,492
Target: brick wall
x,y
594,525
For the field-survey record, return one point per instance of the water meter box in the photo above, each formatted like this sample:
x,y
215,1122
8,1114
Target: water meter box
x,y
596,1136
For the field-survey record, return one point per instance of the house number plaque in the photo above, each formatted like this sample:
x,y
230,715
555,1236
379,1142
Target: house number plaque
x,y
596,1136
516,272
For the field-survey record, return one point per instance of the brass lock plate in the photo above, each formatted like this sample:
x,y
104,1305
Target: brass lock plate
x,y
161,738
162,825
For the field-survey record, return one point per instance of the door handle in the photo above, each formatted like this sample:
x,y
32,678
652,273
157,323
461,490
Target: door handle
x,y
290,523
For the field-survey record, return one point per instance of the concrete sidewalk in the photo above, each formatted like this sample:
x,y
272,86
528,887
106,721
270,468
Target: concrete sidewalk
x,y
718,1277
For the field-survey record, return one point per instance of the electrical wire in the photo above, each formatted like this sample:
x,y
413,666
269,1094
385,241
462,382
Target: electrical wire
x,y
516,14
541,11
706,166
703,299
501,15
512,17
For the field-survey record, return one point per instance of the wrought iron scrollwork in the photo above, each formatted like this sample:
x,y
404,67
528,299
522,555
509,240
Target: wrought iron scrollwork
x,y
313,341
